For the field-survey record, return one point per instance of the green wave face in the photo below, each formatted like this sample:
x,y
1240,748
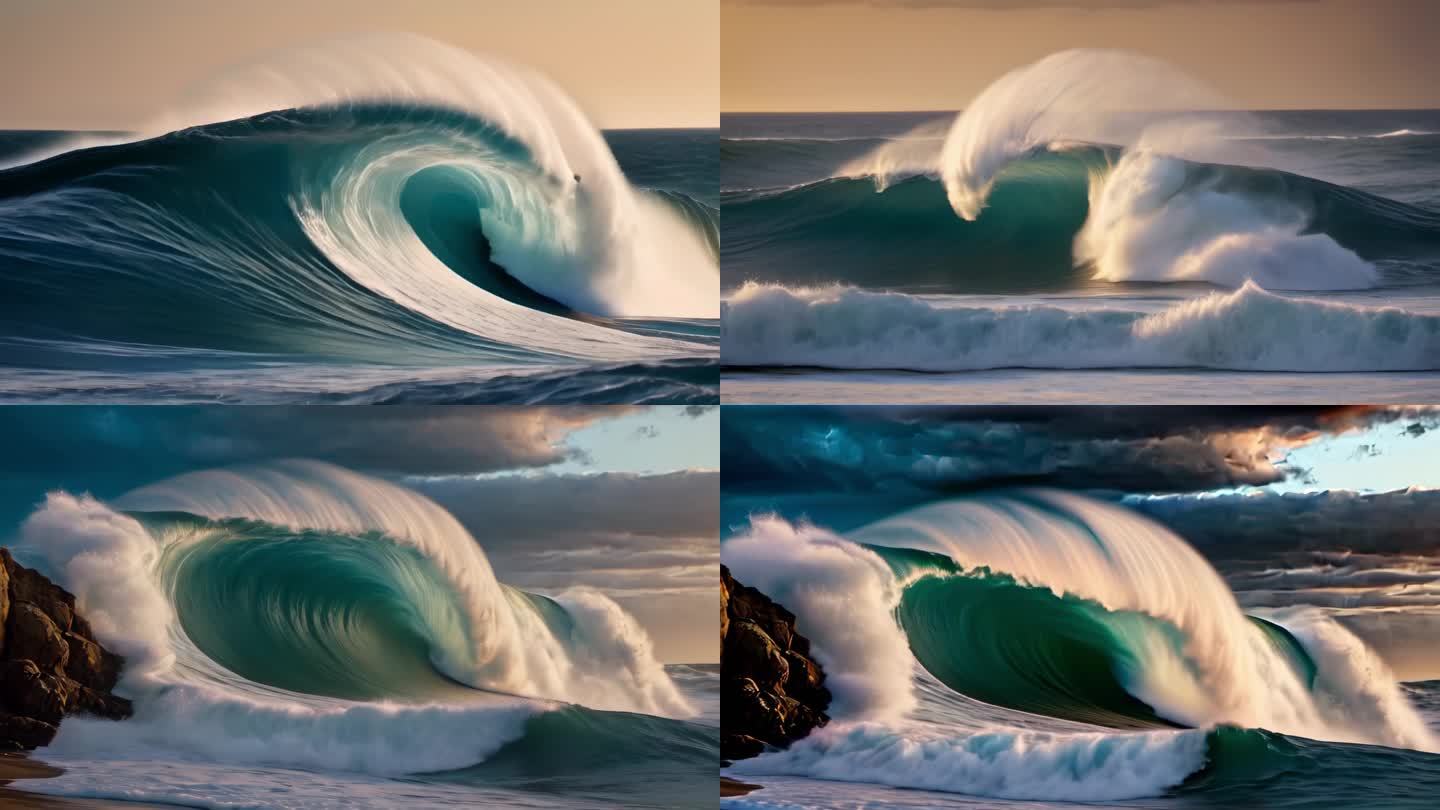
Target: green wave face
x,y
356,617
1021,647
1025,648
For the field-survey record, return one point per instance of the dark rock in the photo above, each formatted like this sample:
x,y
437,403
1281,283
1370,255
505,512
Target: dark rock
x,y
50,663
806,683
739,746
748,603
81,627
19,733
750,653
724,608
4,598
90,664
32,635
29,585
31,693
771,691
100,704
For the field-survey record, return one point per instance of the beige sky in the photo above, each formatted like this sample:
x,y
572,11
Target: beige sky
x,y
103,64
803,55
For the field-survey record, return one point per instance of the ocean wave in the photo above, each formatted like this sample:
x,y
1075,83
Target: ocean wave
x,y
1249,329
1056,218
1051,178
386,199
1110,621
299,614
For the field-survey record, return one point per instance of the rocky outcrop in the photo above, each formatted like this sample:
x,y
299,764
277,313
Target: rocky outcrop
x,y
772,691
50,663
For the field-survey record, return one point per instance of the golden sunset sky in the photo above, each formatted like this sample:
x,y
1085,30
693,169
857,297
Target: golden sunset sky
x,y
96,64
839,55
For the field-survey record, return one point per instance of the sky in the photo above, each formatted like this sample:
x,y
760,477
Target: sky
x,y
621,499
101,65
857,55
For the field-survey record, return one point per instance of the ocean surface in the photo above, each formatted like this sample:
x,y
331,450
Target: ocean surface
x,y
300,636
1010,254
427,249
1035,648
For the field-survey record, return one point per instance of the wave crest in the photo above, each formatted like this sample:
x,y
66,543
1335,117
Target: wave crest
x,y
1248,329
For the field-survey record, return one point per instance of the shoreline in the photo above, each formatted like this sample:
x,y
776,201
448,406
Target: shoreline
x,y
17,767
733,787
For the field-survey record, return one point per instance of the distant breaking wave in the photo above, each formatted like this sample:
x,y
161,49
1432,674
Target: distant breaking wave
x,y
1245,330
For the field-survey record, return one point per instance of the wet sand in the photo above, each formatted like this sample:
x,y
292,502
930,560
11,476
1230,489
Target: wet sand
x,y
20,767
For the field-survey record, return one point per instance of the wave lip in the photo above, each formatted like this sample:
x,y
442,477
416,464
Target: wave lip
x,y
1249,329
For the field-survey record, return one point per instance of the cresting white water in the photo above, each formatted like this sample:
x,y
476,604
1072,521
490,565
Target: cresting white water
x,y
1145,223
1248,329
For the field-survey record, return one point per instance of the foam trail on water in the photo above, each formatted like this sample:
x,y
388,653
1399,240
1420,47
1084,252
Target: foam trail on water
x,y
999,764
1248,329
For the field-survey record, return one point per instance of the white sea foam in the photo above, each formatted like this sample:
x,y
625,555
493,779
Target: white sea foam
x,y
1248,329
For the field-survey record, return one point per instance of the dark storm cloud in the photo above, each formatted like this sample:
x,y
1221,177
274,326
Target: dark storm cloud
x,y
107,451
1404,521
953,449
384,440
